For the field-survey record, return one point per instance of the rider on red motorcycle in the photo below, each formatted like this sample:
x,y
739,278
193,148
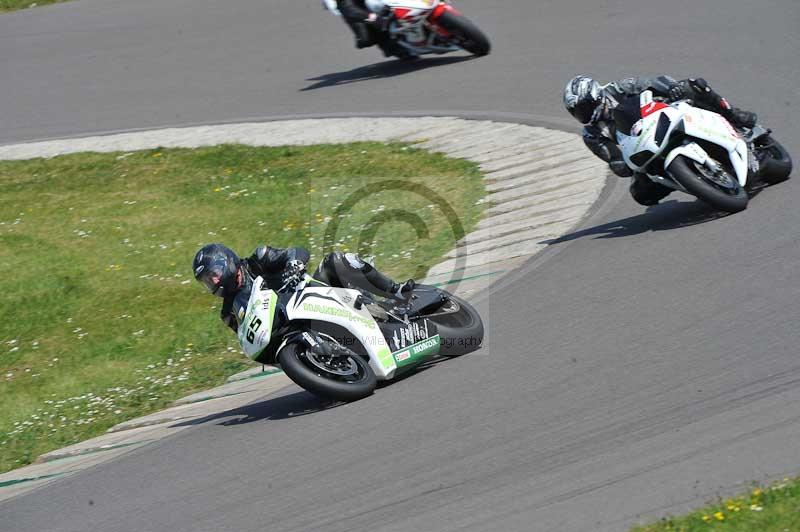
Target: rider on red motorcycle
x,y
369,27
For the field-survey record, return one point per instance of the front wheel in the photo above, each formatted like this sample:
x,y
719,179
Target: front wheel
x,y
775,161
341,378
721,190
466,34
459,325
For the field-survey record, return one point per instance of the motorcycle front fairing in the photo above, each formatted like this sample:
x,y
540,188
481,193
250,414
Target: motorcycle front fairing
x,y
257,320
706,125
650,136
335,305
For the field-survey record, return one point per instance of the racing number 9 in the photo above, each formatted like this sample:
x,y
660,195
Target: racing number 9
x,y
252,328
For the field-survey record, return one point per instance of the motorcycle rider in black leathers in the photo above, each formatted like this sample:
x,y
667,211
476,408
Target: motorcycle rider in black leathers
x,y
592,105
224,274
369,28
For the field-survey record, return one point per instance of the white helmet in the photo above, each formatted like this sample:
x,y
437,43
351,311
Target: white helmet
x,y
582,96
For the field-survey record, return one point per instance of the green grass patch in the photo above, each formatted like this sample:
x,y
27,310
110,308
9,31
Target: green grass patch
x,y
101,320
13,5
766,509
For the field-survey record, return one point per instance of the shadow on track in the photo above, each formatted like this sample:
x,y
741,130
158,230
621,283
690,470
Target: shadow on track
x,y
667,215
297,404
662,217
384,69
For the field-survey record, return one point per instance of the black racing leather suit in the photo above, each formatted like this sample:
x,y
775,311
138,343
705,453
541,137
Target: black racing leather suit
x,y
353,10
600,137
336,269
355,13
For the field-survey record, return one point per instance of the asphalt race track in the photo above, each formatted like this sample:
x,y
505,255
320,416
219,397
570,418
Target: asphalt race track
x,y
640,366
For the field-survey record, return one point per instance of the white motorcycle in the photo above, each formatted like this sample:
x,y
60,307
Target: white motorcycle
x,y
697,151
426,26
338,342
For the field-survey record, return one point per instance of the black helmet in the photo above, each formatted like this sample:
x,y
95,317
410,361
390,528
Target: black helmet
x,y
216,266
582,95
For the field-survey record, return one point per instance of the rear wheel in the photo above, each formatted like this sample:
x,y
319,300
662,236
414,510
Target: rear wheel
x,y
719,189
776,163
466,34
342,378
460,327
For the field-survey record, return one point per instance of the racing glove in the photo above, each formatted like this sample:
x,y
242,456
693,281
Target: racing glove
x,y
677,92
292,271
380,22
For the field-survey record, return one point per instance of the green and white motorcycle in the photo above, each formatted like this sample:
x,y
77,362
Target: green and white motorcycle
x,y
338,343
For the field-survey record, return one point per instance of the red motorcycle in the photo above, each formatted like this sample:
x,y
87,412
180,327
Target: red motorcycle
x,y
427,26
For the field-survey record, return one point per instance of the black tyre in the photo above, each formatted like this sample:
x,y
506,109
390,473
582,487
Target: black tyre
x,y
776,163
460,327
346,379
722,192
467,34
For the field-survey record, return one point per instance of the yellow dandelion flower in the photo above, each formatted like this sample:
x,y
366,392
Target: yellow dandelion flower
x,y
757,492
719,516
157,154
217,189
706,518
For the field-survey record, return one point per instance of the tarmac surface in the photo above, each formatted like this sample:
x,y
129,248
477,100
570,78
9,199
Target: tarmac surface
x,y
639,366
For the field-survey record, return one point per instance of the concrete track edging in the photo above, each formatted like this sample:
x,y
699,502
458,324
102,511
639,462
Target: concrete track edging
x,y
530,204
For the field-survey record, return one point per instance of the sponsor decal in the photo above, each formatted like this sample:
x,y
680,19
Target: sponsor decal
x,y
424,346
412,333
241,313
396,340
338,312
418,350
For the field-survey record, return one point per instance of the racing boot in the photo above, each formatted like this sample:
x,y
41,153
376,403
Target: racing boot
x,y
647,193
364,37
403,291
740,118
356,272
391,48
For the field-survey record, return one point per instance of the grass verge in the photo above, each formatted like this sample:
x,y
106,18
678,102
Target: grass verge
x,y
101,320
766,509
13,5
